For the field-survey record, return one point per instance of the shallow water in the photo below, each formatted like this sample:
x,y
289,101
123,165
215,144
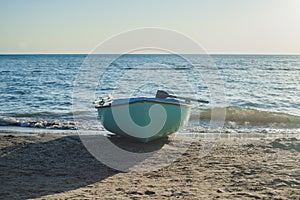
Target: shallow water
x,y
261,92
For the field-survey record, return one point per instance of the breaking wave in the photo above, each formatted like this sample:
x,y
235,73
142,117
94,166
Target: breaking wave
x,y
235,117
251,117
32,123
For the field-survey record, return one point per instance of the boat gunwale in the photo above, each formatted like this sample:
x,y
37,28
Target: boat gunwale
x,y
143,101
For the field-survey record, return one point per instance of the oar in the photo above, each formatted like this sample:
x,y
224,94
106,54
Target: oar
x,y
163,94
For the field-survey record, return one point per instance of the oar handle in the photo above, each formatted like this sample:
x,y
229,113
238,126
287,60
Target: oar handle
x,y
189,99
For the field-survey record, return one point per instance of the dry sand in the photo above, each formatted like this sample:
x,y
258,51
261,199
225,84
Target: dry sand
x,y
60,167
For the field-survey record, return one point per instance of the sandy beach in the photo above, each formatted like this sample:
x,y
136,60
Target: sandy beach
x,y
49,166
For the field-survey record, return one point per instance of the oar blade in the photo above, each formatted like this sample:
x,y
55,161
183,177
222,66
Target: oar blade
x,y
161,94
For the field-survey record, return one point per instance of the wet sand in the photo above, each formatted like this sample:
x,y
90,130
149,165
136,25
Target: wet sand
x,y
49,166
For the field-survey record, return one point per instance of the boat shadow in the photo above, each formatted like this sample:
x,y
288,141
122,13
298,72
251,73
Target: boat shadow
x,y
135,146
62,164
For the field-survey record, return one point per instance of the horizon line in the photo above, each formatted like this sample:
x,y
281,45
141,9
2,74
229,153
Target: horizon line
x,y
151,53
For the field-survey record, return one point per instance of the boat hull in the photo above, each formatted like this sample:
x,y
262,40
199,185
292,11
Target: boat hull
x,y
113,119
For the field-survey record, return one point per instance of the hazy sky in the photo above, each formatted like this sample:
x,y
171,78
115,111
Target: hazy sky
x,y
220,26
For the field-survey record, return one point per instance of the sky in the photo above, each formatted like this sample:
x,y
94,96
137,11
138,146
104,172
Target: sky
x,y
220,26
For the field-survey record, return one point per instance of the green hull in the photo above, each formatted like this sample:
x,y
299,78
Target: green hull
x,y
133,118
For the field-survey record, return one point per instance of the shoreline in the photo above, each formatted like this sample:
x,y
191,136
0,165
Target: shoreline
x,y
51,166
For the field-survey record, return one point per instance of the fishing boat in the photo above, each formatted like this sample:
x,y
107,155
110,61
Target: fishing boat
x,y
142,118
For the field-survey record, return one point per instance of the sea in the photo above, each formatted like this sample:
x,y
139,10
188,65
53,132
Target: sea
x,y
256,93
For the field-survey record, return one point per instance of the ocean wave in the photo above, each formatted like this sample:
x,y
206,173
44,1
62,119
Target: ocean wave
x,y
251,117
47,114
11,121
235,117
39,114
46,120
